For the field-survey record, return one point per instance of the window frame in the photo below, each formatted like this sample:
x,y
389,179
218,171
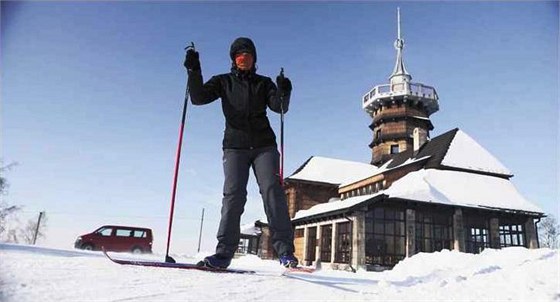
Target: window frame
x,y
477,233
385,234
311,244
343,242
512,231
429,221
326,243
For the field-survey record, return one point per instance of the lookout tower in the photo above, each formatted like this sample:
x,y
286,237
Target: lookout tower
x,y
400,110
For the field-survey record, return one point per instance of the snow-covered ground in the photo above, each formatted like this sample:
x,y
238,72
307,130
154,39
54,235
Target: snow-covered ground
x,y
40,274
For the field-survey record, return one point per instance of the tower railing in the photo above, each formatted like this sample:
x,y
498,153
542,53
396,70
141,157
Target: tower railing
x,y
418,90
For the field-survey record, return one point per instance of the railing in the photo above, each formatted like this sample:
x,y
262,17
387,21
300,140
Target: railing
x,y
388,90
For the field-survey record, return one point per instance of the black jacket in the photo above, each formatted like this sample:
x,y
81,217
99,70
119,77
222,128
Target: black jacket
x,y
245,97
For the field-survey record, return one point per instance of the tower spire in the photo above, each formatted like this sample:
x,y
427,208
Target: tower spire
x,y
395,130
399,74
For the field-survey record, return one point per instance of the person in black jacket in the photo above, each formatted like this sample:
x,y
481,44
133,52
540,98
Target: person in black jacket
x,y
249,142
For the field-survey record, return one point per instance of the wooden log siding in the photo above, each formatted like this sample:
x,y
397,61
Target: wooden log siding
x,y
299,243
399,116
361,184
384,181
302,196
266,250
393,124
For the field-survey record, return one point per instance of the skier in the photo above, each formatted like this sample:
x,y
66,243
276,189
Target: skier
x,y
249,142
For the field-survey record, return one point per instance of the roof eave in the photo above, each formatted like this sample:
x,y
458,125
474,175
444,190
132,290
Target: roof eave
x,y
493,174
340,211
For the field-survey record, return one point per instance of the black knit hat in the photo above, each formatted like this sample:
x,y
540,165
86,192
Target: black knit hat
x,y
242,45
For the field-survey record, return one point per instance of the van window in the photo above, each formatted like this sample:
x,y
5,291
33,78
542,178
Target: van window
x,y
105,232
140,234
123,233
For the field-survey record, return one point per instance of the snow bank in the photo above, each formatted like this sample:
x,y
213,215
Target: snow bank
x,y
515,274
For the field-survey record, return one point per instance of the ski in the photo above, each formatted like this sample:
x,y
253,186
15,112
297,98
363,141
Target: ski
x,y
200,267
176,265
301,269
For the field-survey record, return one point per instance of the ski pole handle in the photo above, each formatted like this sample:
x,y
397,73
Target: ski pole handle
x,y
190,47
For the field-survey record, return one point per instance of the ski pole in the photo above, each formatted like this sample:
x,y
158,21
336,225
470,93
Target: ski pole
x,y
282,133
177,160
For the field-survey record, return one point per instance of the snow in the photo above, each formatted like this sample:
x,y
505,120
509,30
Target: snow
x,y
516,274
462,189
250,229
385,167
333,171
464,152
443,187
333,206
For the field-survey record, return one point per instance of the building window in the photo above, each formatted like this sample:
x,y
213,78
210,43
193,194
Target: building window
x,y
311,244
512,235
343,242
477,240
385,236
248,246
477,233
326,243
394,149
434,231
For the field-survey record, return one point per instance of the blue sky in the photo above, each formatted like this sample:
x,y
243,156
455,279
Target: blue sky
x,y
92,95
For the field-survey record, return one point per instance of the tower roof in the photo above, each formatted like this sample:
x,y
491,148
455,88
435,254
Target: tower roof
x,y
400,86
399,74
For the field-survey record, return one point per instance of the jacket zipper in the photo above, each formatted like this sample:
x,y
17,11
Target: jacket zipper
x,y
249,94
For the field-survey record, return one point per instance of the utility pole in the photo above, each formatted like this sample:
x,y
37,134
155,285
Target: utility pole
x,y
37,228
200,233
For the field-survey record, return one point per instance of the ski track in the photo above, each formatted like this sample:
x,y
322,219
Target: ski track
x,y
511,274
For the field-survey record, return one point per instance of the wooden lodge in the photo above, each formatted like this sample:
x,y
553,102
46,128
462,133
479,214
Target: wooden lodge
x,y
416,195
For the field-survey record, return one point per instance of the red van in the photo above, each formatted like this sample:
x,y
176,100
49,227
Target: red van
x,y
117,238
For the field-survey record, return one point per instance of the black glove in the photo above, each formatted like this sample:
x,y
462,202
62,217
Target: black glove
x,y
284,84
191,60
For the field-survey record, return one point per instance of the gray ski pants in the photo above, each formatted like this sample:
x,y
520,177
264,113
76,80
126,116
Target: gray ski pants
x,y
265,164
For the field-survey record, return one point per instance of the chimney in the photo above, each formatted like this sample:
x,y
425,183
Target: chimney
x,y
416,139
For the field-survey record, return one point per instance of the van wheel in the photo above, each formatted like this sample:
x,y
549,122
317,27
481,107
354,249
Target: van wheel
x,y
136,250
87,247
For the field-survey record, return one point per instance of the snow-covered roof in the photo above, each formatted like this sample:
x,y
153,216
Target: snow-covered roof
x,y
442,187
333,171
464,152
461,189
385,167
250,229
334,206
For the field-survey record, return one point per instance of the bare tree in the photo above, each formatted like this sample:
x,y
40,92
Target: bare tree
x,y
27,233
12,236
7,211
3,181
549,230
